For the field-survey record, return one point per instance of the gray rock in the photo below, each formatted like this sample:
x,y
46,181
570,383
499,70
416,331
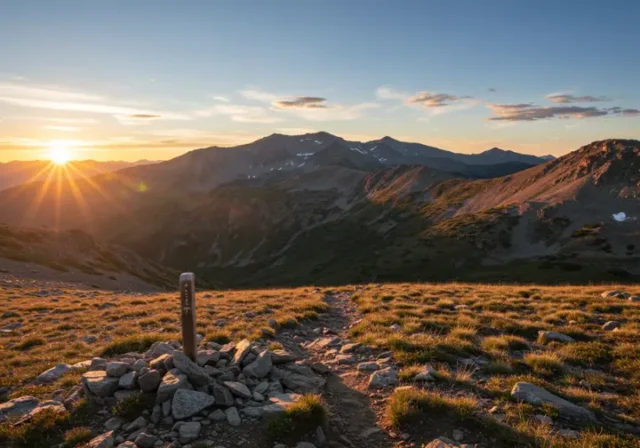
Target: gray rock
x,y
197,375
242,349
145,440
138,423
368,367
426,374
222,395
189,431
383,378
259,368
205,357
128,380
279,404
99,383
159,348
304,384
535,395
156,414
113,424
150,381
238,389
187,403
611,325
232,416
53,374
162,362
126,444
19,406
546,336
139,365
283,357
89,339
116,369
305,445
166,408
102,441
218,416
612,295
350,348
170,384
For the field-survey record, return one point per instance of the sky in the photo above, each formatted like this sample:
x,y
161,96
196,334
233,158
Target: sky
x,y
151,79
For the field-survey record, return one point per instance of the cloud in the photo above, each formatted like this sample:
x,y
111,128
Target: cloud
x,y
624,112
255,94
224,99
388,93
430,99
309,102
297,131
566,99
240,113
145,116
56,98
491,89
531,112
62,128
335,112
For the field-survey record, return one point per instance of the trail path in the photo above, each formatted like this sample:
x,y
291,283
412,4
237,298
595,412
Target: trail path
x,y
355,411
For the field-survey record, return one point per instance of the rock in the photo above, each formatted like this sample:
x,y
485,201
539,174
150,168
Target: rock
x,y
458,435
535,395
223,396
138,423
169,385
126,444
117,369
218,416
346,359
189,431
82,365
368,366
280,403
426,374
257,396
612,295
350,348
159,348
383,378
187,403
205,357
123,394
113,424
145,441
442,442
150,381
305,445
19,406
569,433
89,339
320,368
99,383
273,324
128,380
98,364
634,299
102,441
283,357
369,432
611,325
320,437
139,365
546,336
53,374
259,368
166,408
303,384
242,349
162,362
321,344
543,419
197,375
238,389
233,417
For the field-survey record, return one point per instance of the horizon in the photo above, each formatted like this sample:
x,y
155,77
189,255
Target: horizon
x,y
107,82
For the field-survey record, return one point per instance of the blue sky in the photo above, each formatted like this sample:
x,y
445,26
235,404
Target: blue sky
x,y
151,79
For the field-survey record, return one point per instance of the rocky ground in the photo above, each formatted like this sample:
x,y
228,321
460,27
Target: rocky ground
x,y
265,394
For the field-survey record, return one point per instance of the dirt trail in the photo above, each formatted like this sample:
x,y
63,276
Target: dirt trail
x,y
355,412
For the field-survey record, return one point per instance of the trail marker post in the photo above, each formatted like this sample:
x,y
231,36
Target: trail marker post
x,y
188,313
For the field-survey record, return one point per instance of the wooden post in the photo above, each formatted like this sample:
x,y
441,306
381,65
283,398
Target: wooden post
x,y
188,313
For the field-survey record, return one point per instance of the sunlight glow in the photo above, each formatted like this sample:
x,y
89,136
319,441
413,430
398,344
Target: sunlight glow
x,y
59,152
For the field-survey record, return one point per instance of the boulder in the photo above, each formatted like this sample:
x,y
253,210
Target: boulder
x,y
197,375
145,440
538,396
238,389
19,406
611,325
139,365
105,440
113,424
259,368
53,374
232,416
205,357
187,403
383,378
547,336
162,362
128,380
116,369
242,349
99,383
170,384
222,395
150,381
159,348
282,357
189,431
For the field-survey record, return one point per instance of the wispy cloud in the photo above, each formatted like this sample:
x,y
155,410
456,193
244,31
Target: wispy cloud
x,y
431,103
221,98
431,99
566,99
256,94
531,112
388,93
309,102
56,98
62,128
240,113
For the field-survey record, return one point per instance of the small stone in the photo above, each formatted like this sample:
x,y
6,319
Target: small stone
x,y
543,419
117,369
232,416
113,424
546,336
138,423
350,348
238,389
383,378
128,380
197,375
139,365
537,396
611,325
222,395
189,431
149,381
145,441
217,416
368,366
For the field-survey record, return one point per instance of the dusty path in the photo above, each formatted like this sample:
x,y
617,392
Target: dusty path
x,y
355,412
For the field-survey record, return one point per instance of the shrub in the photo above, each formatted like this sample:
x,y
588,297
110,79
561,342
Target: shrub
x,y
77,436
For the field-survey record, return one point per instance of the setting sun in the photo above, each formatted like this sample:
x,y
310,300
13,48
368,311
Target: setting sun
x,y
59,153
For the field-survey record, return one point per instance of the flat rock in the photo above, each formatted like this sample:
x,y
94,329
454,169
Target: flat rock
x,y
99,383
280,403
238,389
197,375
19,406
350,348
189,431
546,336
368,367
283,357
53,374
304,384
233,418
538,396
615,294
170,384
259,368
383,378
105,440
187,403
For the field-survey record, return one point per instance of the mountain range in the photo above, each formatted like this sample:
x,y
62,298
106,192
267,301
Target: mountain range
x,y
316,208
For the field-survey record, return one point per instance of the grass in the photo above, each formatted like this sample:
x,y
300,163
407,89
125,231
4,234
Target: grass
x,y
132,406
303,416
409,404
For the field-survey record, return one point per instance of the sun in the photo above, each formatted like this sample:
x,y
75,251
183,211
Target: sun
x,y
59,153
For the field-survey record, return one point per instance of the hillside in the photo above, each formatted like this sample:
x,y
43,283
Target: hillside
x,y
340,215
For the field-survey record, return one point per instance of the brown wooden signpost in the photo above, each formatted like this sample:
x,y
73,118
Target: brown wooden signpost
x,y
188,313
